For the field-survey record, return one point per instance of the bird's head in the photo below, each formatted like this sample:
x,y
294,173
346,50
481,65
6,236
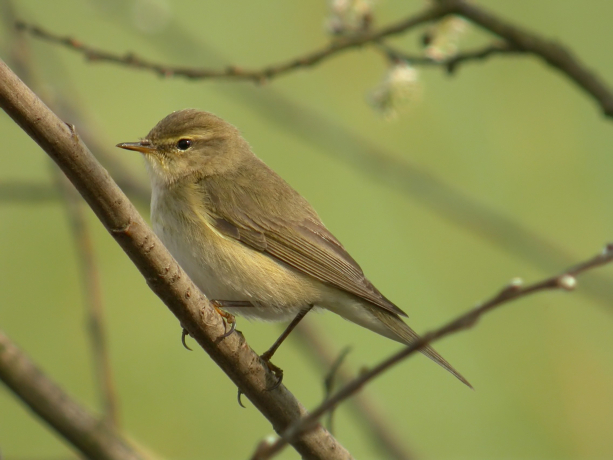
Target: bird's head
x,y
190,143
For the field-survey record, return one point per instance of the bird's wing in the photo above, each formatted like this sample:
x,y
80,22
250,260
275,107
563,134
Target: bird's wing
x,y
298,239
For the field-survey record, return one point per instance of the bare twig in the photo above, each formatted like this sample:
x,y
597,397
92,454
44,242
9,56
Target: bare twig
x,y
237,73
92,298
551,52
162,272
451,64
94,439
366,412
520,40
495,49
513,291
330,380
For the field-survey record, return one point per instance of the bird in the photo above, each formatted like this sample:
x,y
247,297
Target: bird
x,y
250,242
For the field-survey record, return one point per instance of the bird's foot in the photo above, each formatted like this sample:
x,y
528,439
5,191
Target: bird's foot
x,y
227,318
276,370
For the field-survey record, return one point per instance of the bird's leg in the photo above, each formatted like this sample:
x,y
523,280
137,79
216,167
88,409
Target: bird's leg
x,y
267,355
228,318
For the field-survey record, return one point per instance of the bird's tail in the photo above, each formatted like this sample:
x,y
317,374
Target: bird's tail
x,y
396,329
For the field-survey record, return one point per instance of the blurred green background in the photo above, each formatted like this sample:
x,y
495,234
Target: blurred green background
x,y
508,135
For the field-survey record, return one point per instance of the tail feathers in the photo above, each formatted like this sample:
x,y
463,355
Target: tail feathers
x,y
398,330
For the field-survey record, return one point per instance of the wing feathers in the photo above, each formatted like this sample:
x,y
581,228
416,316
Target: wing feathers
x,y
307,257
288,230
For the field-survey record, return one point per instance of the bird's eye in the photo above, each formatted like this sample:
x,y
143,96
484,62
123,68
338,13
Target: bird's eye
x,y
184,144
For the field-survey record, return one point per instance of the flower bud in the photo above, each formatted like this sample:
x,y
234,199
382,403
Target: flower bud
x,y
349,17
399,87
444,38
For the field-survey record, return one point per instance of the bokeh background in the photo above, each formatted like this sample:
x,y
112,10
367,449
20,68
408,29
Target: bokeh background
x,y
515,180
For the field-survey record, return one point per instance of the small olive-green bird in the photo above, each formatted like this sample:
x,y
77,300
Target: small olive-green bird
x,y
246,237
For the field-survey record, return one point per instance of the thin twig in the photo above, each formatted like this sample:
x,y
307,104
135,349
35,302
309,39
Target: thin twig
x,y
494,49
513,291
330,380
451,64
553,53
237,73
162,273
92,297
366,412
94,439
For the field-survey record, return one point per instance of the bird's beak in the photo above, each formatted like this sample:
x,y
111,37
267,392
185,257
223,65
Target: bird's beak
x,y
143,146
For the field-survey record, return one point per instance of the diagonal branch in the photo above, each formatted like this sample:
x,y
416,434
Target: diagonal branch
x,y
162,273
94,439
513,291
